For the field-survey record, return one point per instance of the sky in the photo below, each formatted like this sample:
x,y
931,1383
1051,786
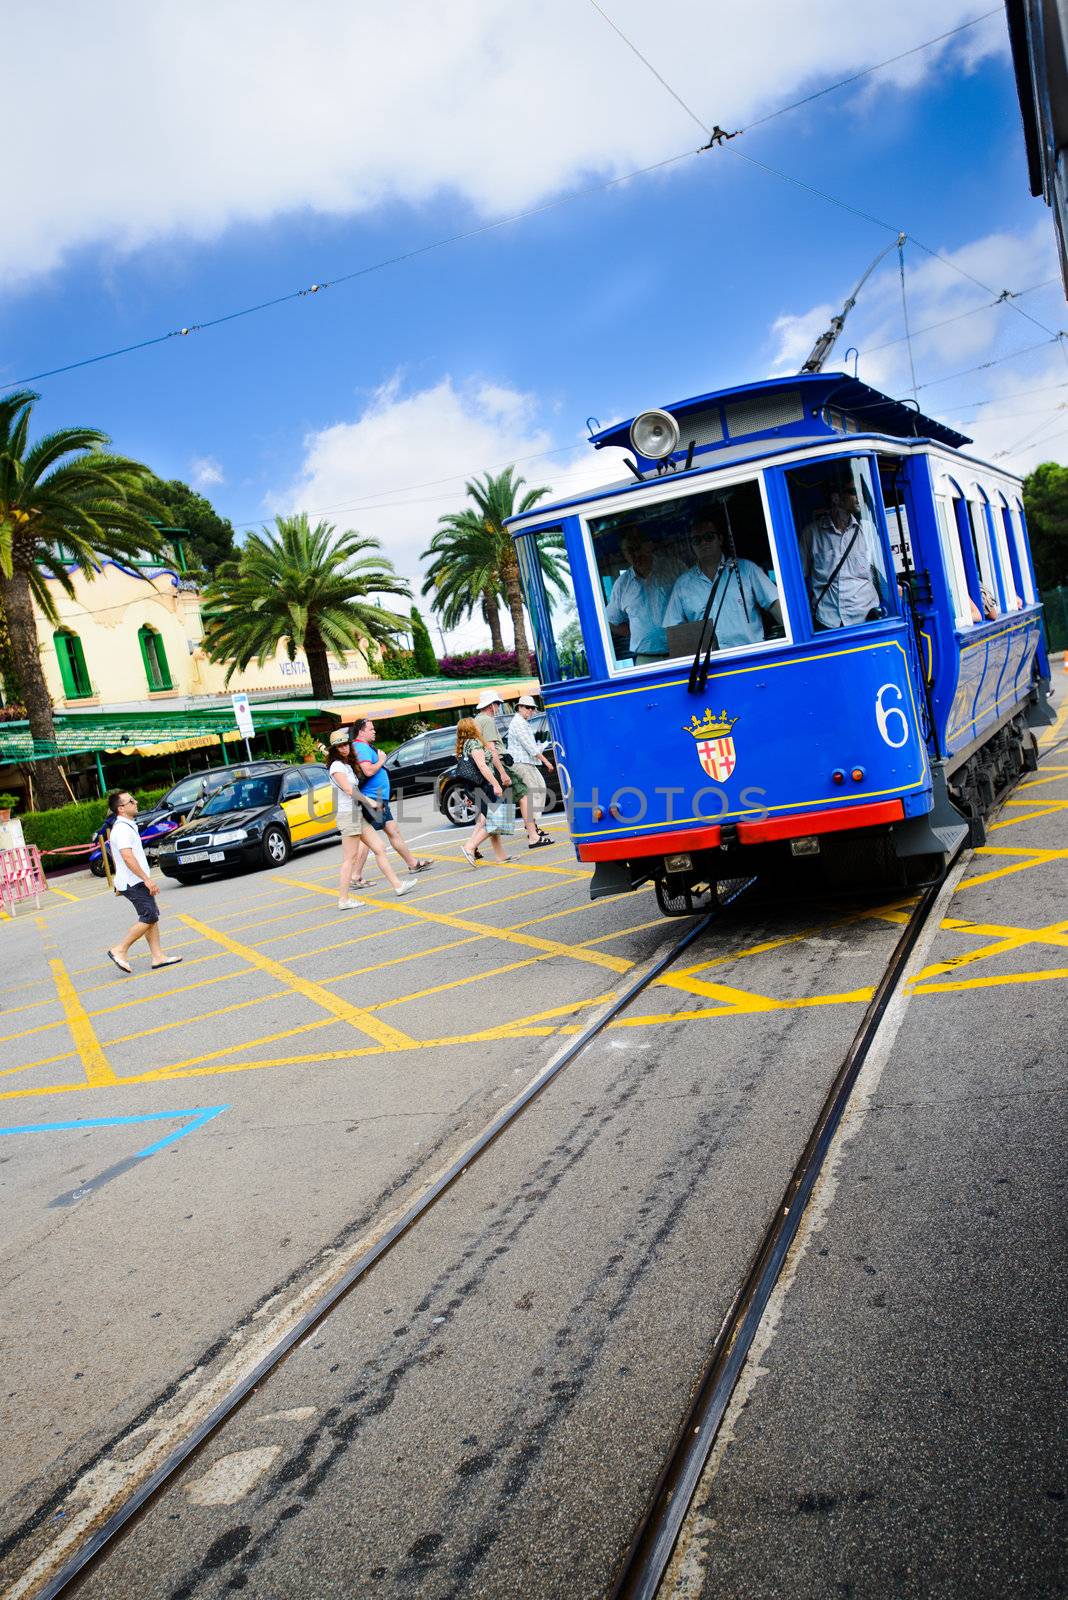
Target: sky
x,y
190,162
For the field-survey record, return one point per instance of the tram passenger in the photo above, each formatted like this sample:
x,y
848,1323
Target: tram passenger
x,y
841,562
636,606
740,591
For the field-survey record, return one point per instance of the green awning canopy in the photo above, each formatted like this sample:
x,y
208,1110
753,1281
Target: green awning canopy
x,y
82,735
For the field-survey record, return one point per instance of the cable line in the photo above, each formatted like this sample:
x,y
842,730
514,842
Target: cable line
x,y
717,137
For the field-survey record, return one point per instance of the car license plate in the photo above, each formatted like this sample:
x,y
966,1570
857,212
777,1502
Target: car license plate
x,y
197,855
217,855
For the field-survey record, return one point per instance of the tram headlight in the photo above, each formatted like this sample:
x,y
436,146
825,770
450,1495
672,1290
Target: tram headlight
x,y
654,434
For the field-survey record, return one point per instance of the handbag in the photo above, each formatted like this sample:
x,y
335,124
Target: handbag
x,y
467,772
500,817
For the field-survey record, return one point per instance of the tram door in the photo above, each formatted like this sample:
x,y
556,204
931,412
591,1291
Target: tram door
x,y
895,482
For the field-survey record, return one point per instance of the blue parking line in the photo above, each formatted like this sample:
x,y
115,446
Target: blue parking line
x,y
199,1114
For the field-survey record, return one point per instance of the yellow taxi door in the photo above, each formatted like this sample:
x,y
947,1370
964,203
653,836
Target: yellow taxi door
x,y
323,801
298,805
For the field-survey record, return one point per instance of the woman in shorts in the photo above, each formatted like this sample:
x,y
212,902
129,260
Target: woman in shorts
x,y
471,746
353,825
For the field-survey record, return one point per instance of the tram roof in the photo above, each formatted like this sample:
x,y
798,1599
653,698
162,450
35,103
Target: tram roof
x,y
879,413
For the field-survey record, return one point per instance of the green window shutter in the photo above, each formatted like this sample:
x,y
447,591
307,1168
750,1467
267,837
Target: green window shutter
x,y
154,657
62,644
72,667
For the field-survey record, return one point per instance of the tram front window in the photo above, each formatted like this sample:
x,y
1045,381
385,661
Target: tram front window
x,y
841,552
549,590
687,572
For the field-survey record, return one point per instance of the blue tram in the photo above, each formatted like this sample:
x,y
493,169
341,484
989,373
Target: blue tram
x,y
804,628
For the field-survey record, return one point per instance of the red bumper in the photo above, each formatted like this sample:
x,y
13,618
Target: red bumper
x,y
875,814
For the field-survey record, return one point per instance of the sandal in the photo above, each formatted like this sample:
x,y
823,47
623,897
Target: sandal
x,y
360,883
421,865
168,961
540,842
123,966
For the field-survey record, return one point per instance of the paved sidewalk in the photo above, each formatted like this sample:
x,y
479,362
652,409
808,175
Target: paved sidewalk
x,y
900,1429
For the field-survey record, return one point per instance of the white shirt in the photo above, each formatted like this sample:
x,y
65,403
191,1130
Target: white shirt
x,y
852,594
124,836
741,595
344,799
640,602
522,745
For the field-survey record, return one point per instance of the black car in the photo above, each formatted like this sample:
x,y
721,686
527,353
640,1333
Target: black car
x,y
455,801
417,763
258,819
174,807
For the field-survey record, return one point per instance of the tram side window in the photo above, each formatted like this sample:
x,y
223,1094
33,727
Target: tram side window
x,y
549,590
989,602
1019,541
891,471
1008,554
687,572
842,556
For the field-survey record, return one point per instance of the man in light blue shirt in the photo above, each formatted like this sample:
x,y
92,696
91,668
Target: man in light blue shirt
x,y
842,565
740,592
636,605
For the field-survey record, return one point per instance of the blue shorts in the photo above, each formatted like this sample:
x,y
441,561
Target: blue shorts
x,y
142,901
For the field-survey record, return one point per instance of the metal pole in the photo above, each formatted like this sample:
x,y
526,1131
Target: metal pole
x,y
100,775
248,749
226,758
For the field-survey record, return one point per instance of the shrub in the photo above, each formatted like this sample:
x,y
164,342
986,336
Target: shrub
x,y
75,823
395,664
480,664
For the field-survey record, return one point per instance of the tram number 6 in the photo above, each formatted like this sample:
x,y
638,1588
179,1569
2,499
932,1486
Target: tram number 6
x,y
884,714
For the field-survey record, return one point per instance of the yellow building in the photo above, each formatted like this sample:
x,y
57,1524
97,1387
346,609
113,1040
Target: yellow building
x,y
134,635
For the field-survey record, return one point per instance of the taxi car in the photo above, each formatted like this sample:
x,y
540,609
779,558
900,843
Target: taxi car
x,y
258,819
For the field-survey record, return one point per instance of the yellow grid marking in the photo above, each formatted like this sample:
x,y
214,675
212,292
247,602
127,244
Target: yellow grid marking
x,y
466,925
64,894
1004,940
98,1073
1035,858
182,1068
389,1038
995,981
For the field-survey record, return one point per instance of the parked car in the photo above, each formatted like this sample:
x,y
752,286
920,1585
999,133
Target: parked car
x,y
258,819
173,808
417,763
455,801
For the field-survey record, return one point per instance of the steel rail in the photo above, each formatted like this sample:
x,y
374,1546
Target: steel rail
x,y
650,1551
96,1543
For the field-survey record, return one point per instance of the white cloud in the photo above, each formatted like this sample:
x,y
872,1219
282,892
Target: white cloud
x,y
204,471
402,463
953,333
205,115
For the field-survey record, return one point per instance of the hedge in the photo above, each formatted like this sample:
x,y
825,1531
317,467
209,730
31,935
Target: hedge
x,y
75,823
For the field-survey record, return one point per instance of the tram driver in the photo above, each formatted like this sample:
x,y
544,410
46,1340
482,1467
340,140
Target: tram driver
x,y
636,606
740,591
841,562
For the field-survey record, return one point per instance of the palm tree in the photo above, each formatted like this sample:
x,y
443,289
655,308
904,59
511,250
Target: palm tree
x,y
65,505
308,586
463,573
485,556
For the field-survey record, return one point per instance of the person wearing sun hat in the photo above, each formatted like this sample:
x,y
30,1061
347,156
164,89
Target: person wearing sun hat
x,y
529,761
486,721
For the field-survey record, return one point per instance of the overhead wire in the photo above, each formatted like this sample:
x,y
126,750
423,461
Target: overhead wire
x,y
716,137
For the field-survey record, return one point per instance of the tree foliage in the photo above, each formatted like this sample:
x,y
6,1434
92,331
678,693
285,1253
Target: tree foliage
x,y
309,587
423,647
65,504
1045,495
209,538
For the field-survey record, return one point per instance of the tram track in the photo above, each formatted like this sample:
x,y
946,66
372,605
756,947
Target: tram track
x,y
45,1579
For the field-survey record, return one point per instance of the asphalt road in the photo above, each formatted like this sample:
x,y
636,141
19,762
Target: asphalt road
x,y
486,1412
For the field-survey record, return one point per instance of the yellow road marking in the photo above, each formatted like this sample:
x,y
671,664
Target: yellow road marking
x,y
995,981
390,1038
28,1066
466,925
1039,808
1056,775
1004,940
64,895
182,1068
98,1073
1035,858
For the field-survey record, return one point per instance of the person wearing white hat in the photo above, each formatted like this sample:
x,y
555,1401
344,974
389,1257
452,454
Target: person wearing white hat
x,y
488,700
529,760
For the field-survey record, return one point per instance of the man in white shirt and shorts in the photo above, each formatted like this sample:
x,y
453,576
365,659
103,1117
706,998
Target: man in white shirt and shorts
x,y
133,881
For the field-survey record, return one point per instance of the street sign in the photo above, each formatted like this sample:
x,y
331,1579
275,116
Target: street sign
x,y
243,713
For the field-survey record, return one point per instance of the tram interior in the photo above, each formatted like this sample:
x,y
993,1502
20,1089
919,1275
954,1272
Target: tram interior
x,y
657,567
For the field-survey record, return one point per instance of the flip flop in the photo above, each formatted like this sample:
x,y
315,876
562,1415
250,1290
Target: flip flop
x,y
123,966
539,844
168,961
422,865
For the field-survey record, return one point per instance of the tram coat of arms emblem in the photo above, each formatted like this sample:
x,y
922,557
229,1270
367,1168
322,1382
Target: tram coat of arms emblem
x,y
715,745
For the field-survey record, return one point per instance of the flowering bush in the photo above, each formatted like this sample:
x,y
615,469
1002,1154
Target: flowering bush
x,y
480,664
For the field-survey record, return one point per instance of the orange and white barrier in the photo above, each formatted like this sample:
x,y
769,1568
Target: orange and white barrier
x,y
21,877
